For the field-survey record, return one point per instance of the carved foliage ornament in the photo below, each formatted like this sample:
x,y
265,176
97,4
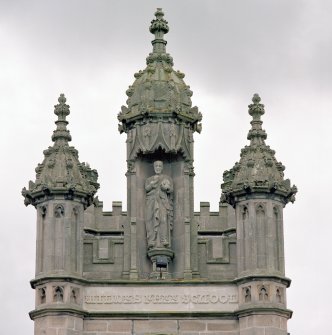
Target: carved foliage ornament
x,y
169,136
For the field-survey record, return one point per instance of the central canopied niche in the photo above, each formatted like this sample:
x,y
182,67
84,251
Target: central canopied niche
x,y
159,208
162,198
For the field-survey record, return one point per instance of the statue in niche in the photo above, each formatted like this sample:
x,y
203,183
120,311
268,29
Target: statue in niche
x,y
159,208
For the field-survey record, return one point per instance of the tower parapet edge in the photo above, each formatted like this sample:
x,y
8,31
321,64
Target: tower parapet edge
x,y
256,188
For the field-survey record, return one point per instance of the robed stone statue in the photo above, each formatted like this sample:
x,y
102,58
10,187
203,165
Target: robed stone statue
x,y
159,208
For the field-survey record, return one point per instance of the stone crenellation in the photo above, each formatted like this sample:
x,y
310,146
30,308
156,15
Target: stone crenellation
x,y
104,232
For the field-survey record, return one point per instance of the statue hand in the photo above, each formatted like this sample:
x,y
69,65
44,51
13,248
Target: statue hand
x,y
153,183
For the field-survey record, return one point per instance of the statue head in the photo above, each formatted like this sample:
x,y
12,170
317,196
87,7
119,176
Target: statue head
x,y
158,167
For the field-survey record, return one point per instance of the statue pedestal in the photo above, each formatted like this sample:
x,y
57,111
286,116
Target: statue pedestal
x,y
160,258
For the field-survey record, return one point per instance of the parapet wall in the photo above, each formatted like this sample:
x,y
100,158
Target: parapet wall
x,y
104,250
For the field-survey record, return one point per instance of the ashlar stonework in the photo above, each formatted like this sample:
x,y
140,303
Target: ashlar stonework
x,y
160,267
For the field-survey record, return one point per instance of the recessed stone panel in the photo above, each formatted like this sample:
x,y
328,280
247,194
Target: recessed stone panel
x,y
157,298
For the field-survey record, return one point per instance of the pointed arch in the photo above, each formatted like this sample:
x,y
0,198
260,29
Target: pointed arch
x,y
244,224
263,293
276,233
58,294
261,235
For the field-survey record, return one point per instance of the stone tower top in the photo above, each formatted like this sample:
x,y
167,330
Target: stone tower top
x,y
159,91
61,174
258,171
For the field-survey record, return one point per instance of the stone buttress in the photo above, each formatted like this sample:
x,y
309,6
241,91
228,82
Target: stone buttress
x,y
159,267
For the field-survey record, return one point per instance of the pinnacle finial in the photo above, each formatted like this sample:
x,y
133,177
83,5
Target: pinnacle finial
x,y
256,99
256,109
62,99
256,134
159,27
61,110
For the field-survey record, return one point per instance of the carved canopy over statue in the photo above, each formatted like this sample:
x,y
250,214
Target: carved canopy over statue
x,y
159,208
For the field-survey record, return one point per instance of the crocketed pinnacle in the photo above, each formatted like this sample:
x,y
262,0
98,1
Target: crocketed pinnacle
x,y
159,27
158,91
61,174
258,171
256,134
62,111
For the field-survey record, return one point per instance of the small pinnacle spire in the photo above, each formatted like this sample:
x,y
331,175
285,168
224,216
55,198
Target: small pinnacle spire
x,y
256,134
61,110
258,171
159,27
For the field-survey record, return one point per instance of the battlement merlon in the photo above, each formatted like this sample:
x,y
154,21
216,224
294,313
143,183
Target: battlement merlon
x,y
215,222
97,221
209,222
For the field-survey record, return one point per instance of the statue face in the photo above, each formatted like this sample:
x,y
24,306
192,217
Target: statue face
x,y
158,167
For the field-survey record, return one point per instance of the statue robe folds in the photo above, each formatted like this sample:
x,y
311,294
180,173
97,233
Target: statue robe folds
x,y
159,210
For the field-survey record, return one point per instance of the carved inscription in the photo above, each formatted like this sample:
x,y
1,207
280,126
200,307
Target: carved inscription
x,y
161,299
156,298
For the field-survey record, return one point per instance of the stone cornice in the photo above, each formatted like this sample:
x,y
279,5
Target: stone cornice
x,y
76,311
260,277
264,310
178,282
38,197
86,282
68,310
51,310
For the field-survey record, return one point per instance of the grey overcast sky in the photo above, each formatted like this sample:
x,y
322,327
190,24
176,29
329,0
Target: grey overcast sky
x,y
228,50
